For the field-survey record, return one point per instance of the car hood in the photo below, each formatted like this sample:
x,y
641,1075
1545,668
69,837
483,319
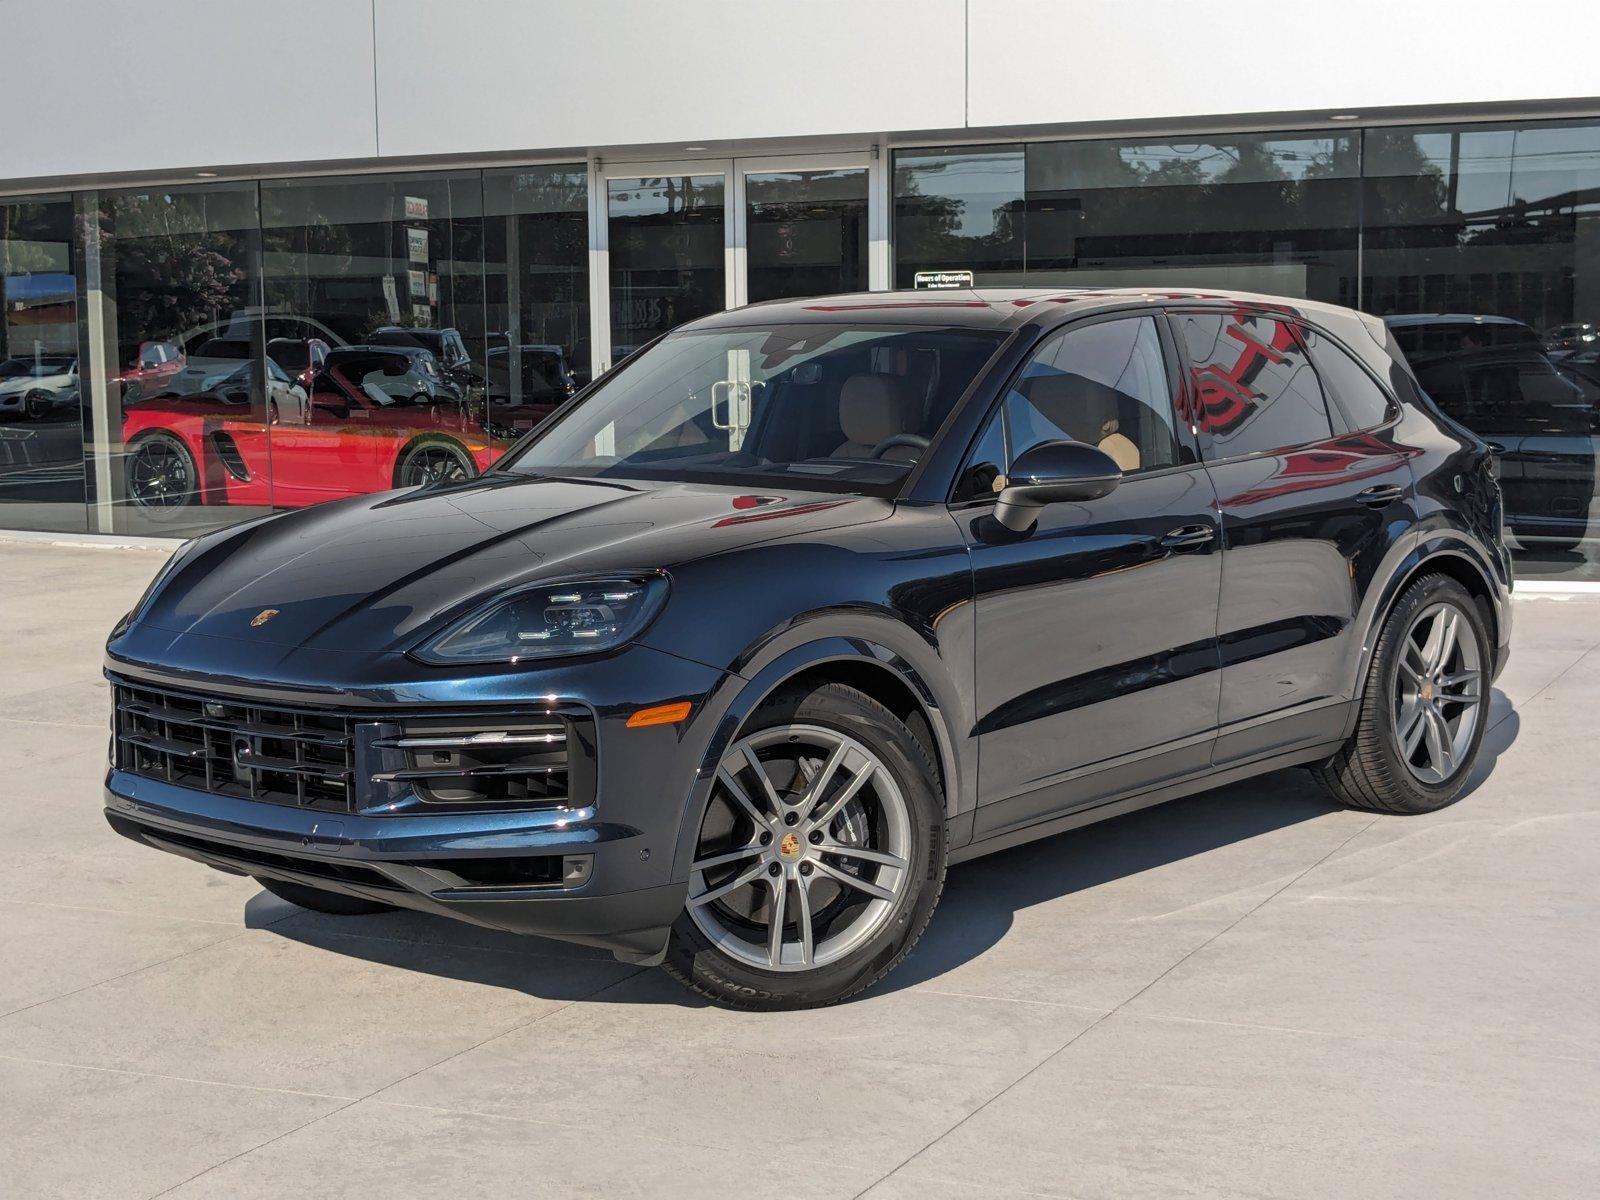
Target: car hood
x,y
375,573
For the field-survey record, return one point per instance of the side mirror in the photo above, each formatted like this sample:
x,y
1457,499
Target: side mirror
x,y
1052,472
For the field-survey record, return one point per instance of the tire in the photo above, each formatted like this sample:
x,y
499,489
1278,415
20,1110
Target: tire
x,y
37,405
161,473
1374,770
721,945
434,460
333,903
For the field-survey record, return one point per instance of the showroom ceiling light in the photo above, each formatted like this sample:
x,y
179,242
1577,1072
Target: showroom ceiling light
x,y
206,174
1345,117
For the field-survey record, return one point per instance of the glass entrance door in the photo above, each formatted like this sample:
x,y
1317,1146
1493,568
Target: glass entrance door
x,y
667,242
802,227
679,240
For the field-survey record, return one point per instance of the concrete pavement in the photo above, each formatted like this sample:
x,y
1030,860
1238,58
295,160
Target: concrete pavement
x,y
1247,993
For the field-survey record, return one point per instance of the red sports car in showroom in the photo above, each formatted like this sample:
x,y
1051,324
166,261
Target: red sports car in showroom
x,y
355,435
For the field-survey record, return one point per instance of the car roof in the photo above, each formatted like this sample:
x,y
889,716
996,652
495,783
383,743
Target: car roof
x,y
998,308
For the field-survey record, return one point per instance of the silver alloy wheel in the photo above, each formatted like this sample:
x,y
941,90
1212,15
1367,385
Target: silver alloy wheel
x,y
1438,693
814,853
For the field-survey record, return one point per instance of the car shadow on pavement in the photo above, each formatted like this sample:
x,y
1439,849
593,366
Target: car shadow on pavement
x,y
980,901
982,897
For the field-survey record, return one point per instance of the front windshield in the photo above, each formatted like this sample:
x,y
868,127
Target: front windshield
x,y
832,407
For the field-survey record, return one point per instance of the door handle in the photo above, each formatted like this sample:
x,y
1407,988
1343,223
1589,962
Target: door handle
x,y
1381,495
1186,536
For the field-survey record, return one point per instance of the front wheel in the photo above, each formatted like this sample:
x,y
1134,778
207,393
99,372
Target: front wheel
x,y
819,859
1423,713
37,405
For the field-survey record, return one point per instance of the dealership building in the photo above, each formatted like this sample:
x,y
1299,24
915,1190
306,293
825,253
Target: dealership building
x,y
255,256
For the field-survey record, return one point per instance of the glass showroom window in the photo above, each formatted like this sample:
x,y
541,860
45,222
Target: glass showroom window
x,y
1482,254
374,316
958,209
41,430
189,384
536,283
1272,213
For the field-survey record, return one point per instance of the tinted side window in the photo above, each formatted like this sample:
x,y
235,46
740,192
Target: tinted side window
x,y
1252,386
1364,403
1103,384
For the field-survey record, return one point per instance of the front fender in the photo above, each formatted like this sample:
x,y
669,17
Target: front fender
x,y
855,637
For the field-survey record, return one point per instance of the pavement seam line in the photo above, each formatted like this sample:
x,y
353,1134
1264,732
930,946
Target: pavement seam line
x,y
222,1083
1098,1021
118,912
534,1020
1560,675
6,1016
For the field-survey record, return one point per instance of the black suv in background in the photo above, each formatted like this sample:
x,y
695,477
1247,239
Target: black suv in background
x,y
1538,410
804,602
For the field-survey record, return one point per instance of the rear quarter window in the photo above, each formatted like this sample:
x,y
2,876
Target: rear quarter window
x,y
1252,389
1364,404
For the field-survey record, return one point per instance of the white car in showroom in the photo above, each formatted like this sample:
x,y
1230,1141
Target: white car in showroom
x,y
36,387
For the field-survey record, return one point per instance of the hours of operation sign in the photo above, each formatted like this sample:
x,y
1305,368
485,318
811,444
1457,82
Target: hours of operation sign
x,y
943,279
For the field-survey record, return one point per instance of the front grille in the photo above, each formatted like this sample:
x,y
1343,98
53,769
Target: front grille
x,y
377,762
256,752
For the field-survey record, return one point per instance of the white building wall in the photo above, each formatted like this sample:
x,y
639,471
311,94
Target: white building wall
x,y
97,86
605,72
1039,61
104,86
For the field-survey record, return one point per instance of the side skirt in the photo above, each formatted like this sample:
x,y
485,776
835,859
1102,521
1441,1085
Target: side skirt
x,y
1201,782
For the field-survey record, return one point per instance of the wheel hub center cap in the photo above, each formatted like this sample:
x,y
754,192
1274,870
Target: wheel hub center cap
x,y
790,847
1427,691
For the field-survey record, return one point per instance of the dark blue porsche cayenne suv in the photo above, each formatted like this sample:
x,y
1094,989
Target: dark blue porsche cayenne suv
x,y
723,665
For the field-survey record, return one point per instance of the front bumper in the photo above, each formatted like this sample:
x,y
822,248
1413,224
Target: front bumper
x,y
405,861
616,882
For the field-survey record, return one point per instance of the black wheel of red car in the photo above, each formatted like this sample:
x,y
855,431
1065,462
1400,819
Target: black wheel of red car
x,y
434,460
161,472
37,404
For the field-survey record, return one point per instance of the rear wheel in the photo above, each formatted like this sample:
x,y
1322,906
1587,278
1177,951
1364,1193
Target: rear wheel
x,y
334,903
819,858
436,460
1423,713
161,472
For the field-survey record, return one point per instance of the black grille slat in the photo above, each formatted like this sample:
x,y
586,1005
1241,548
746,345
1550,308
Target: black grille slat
x,y
276,755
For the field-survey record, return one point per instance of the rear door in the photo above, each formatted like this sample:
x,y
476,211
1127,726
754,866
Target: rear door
x,y
1096,660
1305,494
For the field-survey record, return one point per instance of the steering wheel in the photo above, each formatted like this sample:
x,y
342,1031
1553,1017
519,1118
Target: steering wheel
x,y
915,440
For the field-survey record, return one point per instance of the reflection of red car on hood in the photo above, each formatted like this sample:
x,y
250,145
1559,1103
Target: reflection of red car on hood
x,y
354,436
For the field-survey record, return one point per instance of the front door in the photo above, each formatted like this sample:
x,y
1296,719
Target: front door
x,y
1097,664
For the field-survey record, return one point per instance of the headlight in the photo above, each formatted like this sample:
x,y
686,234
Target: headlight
x,y
551,620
